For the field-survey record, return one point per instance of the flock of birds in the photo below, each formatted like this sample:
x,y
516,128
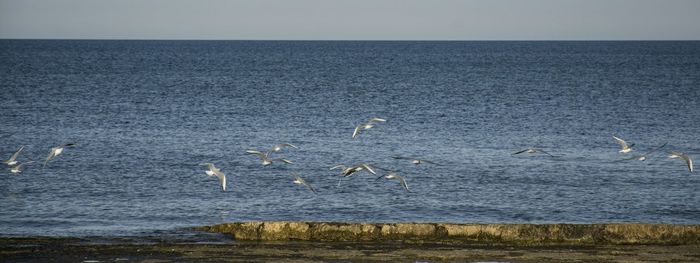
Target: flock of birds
x,y
17,167
348,171
626,148
267,159
345,171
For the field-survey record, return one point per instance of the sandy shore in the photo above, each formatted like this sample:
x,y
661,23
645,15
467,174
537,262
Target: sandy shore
x,y
344,242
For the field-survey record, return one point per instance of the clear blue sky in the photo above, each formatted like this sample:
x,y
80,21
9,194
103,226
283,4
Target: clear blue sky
x,y
356,19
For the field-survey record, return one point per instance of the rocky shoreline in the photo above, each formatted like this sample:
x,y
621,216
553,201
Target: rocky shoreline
x,y
368,242
513,234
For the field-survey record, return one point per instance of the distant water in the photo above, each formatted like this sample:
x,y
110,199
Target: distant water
x,y
144,114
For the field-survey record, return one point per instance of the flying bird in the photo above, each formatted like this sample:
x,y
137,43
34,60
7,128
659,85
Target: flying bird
x,y
686,158
415,161
623,144
19,168
349,171
646,155
13,160
213,171
394,175
265,157
55,151
300,181
366,126
281,146
532,151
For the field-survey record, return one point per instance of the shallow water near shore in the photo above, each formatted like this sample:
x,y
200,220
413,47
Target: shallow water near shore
x,y
144,114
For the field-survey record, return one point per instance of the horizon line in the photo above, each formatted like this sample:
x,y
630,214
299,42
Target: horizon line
x,y
364,40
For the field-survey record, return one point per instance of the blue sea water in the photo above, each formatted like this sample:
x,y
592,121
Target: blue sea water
x,y
144,114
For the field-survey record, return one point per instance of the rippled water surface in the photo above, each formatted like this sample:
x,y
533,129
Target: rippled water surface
x,y
144,114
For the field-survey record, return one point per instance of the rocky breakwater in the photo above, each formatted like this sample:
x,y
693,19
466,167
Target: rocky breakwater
x,y
516,234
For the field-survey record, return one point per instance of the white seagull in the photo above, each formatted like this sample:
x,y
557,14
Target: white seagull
x,y
686,158
349,171
213,171
532,151
415,161
55,151
394,175
366,126
623,144
281,146
265,157
300,181
18,168
646,155
13,160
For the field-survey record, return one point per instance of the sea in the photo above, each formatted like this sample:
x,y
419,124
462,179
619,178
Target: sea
x,y
144,116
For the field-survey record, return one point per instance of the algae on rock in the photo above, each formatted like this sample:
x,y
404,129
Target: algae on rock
x,y
519,234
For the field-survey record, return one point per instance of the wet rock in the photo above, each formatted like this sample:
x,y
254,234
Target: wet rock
x,y
518,234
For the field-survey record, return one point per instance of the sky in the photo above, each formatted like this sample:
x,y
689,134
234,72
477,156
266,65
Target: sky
x,y
351,19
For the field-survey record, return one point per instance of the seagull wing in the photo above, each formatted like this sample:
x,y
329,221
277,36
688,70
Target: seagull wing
x,y
288,145
622,142
209,166
356,132
542,151
52,153
309,186
281,146
14,156
377,120
254,152
300,180
403,182
519,152
403,158
674,154
222,178
281,159
342,167
630,158
369,168
688,161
